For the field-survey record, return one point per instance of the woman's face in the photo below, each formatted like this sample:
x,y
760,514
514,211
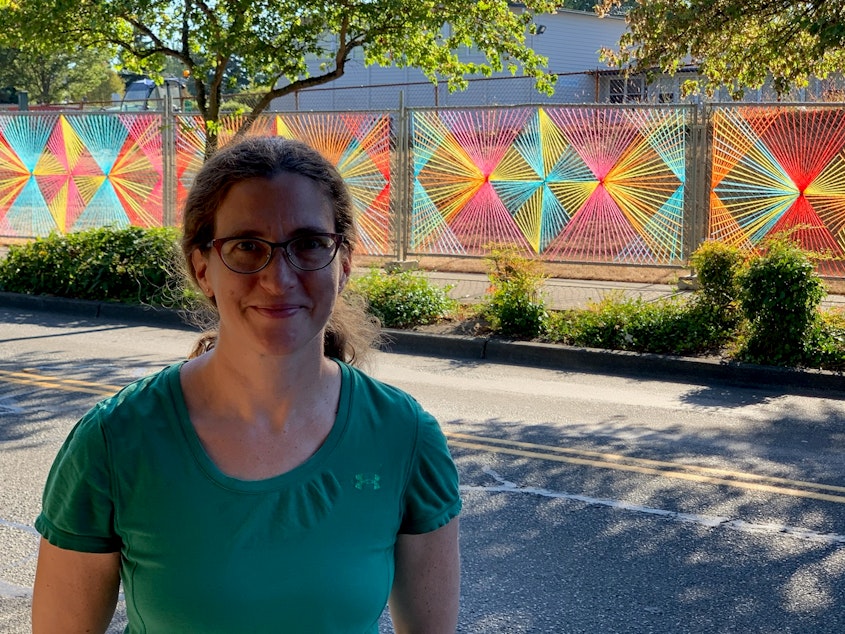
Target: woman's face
x,y
280,310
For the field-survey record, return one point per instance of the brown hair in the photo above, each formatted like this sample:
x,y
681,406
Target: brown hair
x,y
350,332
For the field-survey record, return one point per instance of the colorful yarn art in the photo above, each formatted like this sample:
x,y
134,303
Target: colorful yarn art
x,y
69,172
569,184
358,144
780,169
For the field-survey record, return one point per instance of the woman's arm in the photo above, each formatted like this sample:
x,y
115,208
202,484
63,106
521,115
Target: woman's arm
x,y
74,591
426,588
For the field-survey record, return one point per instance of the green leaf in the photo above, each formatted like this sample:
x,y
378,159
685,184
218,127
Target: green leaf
x,y
737,44
287,45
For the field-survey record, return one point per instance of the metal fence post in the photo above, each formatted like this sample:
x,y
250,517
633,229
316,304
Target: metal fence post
x,y
705,152
703,227
697,198
168,158
403,183
691,197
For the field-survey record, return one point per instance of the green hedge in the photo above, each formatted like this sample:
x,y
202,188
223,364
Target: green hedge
x,y
403,299
515,305
664,327
763,308
131,265
780,294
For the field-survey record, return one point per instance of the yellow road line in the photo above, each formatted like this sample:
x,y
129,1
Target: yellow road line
x,y
55,383
701,474
692,473
613,457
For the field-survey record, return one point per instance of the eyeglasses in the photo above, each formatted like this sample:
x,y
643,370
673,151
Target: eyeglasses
x,y
249,255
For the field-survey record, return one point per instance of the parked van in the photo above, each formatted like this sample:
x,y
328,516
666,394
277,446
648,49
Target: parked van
x,y
145,94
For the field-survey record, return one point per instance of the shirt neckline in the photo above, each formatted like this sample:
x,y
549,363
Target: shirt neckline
x,y
299,473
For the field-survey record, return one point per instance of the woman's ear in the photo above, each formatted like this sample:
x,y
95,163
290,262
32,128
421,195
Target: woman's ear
x,y
345,267
200,264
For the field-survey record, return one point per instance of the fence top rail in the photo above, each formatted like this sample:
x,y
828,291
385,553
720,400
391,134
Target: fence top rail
x,y
568,106
487,108
290,113
797,105
390,112
77,113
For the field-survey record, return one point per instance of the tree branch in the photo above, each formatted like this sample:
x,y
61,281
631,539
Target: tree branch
x,y
144,29
210,15
186,30
300,84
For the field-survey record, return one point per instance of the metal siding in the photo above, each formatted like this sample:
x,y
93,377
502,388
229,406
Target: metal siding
x,y
571,43
572,40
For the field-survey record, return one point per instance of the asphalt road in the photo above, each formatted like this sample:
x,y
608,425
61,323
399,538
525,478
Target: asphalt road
x,y
592,503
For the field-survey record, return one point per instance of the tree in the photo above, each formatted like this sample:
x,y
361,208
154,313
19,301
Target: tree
x,y
588,6
110,85
737,44
51,75
276,39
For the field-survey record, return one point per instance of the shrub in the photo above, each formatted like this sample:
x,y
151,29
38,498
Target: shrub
x,y
665,327
780,293
513,313
825,342
506,264
717,267
514,305
131,265
602,324
234,107
403,299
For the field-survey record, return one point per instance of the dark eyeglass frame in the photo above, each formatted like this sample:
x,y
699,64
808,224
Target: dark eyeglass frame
x,y
218,243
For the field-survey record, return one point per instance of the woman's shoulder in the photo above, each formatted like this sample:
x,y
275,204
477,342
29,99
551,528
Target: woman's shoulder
x,y
386,410
136,401
364,387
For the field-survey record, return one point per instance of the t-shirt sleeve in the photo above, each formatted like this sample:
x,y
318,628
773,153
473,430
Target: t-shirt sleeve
x,y
432,497
77,510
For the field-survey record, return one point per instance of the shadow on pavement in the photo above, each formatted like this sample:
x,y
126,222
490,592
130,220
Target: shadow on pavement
x,y
640,553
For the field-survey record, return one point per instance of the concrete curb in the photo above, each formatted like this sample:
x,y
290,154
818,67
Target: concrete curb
x,y
551,356
616,362
149,315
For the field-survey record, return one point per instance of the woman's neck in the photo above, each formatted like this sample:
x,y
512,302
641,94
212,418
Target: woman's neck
x,y
264,390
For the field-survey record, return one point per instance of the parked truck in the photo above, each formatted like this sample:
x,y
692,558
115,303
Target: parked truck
x,y
145,94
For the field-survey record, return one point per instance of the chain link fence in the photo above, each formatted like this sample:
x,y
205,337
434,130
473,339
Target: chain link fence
x,y
621,184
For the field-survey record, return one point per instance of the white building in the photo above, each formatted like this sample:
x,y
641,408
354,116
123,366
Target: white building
x,y
571,41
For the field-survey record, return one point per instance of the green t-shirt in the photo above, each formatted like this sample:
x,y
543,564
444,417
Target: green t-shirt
x,y
308,551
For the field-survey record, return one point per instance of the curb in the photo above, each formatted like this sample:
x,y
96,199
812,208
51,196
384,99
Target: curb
x,y
617,362
542,355
87,309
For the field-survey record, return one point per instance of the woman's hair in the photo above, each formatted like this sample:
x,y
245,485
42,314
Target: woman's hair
x,y
350,331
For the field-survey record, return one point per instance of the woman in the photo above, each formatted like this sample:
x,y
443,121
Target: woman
x,y
264,485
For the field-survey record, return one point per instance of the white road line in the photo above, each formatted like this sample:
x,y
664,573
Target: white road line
x,y
26,528
12,590
710,521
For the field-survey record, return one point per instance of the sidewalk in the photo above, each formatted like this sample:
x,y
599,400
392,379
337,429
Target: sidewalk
x,y
564,294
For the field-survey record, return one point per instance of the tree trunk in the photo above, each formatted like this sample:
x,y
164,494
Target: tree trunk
x,y
211,138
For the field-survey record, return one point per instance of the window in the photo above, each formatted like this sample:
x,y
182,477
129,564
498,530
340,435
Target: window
x,y
622,89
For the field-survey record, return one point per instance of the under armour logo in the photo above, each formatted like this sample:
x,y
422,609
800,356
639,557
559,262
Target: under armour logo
x,y
367,479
